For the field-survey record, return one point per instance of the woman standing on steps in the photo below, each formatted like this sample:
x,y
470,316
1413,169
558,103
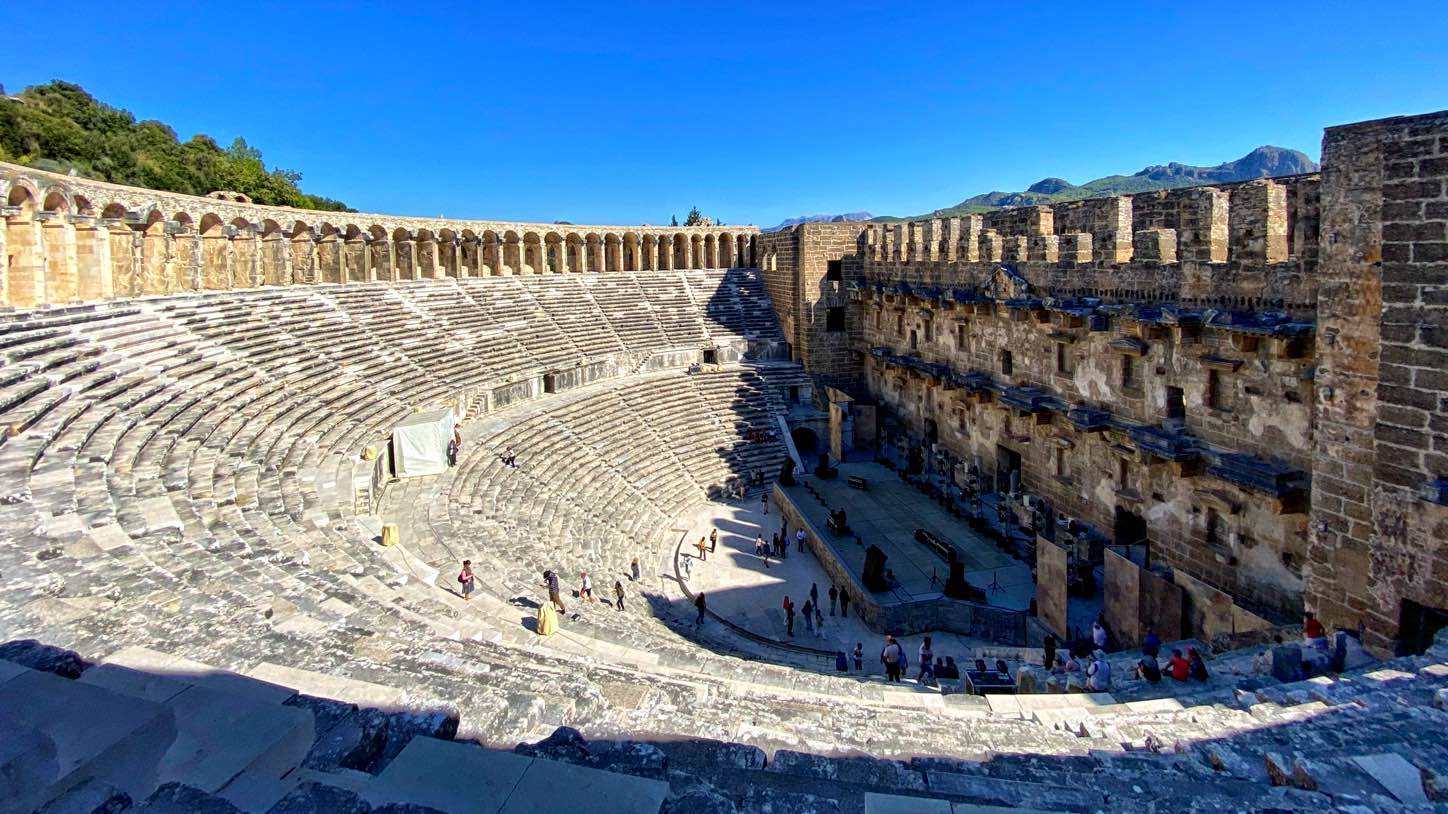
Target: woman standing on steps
x,y
467,580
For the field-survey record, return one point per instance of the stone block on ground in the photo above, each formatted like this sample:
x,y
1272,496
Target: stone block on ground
x,y
1394,773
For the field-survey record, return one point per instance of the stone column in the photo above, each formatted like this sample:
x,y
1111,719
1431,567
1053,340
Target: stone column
x,y
303,258
214,259
92,259
58,259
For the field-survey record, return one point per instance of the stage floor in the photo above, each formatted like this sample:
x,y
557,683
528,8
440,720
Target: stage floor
x,y
887,515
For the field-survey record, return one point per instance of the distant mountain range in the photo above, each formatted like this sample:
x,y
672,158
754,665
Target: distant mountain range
x,y
1263,162
848,217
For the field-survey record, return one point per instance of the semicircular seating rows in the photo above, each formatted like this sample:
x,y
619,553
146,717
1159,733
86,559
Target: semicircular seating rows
x,y
182,474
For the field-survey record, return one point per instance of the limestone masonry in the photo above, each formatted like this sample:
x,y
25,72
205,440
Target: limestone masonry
x,y
1206,410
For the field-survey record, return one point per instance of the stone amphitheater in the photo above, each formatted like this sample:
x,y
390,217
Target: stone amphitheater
x,y
217,596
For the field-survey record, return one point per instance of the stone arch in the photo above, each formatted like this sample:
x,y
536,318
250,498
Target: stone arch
x,y
650,259
574,248
491,254
83,205
593,251
424,252
555,258
379,254
469,254
711,252
726,250
114,211
533,254
329,262
57,200
24,195
680,258
210,225
612,252
448,262
512,253
404,254
631,251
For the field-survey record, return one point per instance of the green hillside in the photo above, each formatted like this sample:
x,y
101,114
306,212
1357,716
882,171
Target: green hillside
x,y
61,128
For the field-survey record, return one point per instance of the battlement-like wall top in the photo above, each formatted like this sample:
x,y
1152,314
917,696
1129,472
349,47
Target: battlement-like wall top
x,y
46,191
1252,223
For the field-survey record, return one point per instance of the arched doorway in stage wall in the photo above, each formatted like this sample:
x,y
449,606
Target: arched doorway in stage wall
x,y
806,442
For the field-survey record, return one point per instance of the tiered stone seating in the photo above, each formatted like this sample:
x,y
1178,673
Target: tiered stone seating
x,y
178,475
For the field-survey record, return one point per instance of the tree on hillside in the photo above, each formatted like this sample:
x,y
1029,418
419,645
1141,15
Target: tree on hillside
x,y
62,128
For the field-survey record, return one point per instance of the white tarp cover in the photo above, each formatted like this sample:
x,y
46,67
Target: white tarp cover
x,y
419,444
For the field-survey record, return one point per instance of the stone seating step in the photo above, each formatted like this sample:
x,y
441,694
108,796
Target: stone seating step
x,y
462,778
63,733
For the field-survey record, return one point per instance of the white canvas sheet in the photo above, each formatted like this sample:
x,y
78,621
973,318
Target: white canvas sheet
x,y
419,444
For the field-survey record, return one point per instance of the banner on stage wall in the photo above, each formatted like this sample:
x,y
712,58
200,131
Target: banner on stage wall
x,y
419,444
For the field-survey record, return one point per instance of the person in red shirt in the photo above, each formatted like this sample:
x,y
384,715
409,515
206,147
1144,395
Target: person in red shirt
x,y
1179,668
1311,628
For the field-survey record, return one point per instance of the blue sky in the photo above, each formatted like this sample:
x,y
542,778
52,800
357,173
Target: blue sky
x,y
630,112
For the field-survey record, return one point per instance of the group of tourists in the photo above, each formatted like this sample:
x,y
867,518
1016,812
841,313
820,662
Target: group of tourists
x,y
932,668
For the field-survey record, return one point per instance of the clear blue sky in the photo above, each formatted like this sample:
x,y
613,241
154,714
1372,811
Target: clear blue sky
x,y
628,112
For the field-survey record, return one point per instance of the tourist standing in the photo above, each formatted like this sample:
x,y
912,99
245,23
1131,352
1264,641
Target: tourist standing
x,y
890,656
1098,673
927,660
510,458
814,594
859,657
703,550
634,572
618,592
699,605
819,622
1048,654
585,590
688,566
799,540
467,580
759,544
550,580
834,596
844,602
1098,635
713,540
808,616
764,501
788,618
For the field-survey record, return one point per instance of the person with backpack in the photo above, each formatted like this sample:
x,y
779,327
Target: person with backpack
x,y
467,580
891,656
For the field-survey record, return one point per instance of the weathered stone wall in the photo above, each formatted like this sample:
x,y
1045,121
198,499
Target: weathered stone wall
x,y
1379,525
69,239
795,264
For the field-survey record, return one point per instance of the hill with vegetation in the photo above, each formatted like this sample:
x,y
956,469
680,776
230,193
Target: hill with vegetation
x,y
61,128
